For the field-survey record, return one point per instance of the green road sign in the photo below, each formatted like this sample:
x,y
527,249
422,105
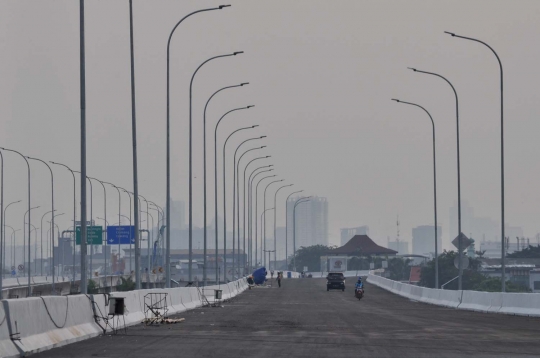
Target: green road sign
x,y
94,235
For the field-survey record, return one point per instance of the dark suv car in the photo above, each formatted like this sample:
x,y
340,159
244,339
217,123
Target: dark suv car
x,y
335,281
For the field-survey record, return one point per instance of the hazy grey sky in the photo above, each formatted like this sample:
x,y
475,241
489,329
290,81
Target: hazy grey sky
x,y
322,74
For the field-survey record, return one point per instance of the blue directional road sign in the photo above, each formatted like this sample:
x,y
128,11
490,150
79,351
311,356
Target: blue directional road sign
x,y
123,235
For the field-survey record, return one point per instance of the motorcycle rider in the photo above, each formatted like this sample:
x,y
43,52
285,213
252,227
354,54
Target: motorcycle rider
x,y
359,285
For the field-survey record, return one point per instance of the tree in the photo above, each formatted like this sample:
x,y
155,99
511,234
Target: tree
x,y
480,254
309,256
493,284
447,272
472,278
92,287
126,284
531,252
399,269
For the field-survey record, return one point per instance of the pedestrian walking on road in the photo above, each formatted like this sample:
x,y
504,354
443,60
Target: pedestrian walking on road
x,y
279,275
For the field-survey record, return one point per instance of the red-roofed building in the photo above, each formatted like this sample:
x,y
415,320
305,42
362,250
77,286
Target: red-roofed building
x,y
362,245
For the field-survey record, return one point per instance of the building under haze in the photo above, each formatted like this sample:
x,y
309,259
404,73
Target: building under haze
x,y
178,215
423,240
348,233
402,247
311,222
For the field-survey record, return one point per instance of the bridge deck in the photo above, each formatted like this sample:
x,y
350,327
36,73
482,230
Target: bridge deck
x,y
301,319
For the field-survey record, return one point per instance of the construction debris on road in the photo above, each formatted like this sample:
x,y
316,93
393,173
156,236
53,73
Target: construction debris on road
x,y
162,320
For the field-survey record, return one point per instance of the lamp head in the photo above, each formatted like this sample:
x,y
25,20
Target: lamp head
x,y
268,156
223,6
261,137
237,53
244,84
255,126
263,147
410,68
450,33
250,106
397,100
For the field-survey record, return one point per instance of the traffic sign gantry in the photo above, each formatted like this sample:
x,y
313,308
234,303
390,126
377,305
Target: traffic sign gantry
x,y
123,235
94,235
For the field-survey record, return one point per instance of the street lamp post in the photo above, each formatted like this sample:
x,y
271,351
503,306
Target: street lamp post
x,y
238,203
191,166
52,210
130,238
138,214
298,202
74,213
105,221
503,253
235,228
12,243
264,206
287,226
41,238
224,190
91,224
256,217
246,204
35,248
159,211
275,219
2,236
168,189
138,255
134,146
434,190
263,235
84,282
119,219
28,166
204,184
250,208
460,248
151,239
29,247
4,231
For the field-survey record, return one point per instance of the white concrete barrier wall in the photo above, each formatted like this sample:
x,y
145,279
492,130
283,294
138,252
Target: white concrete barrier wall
x,y
48,322
524,304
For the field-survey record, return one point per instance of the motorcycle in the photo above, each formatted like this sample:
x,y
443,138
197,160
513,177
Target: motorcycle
x,y
359,293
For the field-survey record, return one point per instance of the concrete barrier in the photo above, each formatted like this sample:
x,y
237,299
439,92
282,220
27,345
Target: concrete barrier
x,y
521,304
48,322
524,304
477,301
7,347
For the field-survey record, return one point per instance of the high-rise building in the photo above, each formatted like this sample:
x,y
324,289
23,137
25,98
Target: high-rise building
x,y
311,222
178,215
348,233
476,227
423,240
402,247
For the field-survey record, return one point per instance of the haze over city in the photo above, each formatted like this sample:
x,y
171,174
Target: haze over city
x,y
321,76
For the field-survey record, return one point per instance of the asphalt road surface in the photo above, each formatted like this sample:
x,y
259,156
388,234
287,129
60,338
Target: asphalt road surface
x,y
302,319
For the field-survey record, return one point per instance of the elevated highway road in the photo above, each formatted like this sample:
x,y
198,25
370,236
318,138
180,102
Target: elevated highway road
x,y
302,319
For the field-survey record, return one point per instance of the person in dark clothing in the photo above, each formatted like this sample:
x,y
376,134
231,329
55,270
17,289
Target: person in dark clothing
x,y
279,275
